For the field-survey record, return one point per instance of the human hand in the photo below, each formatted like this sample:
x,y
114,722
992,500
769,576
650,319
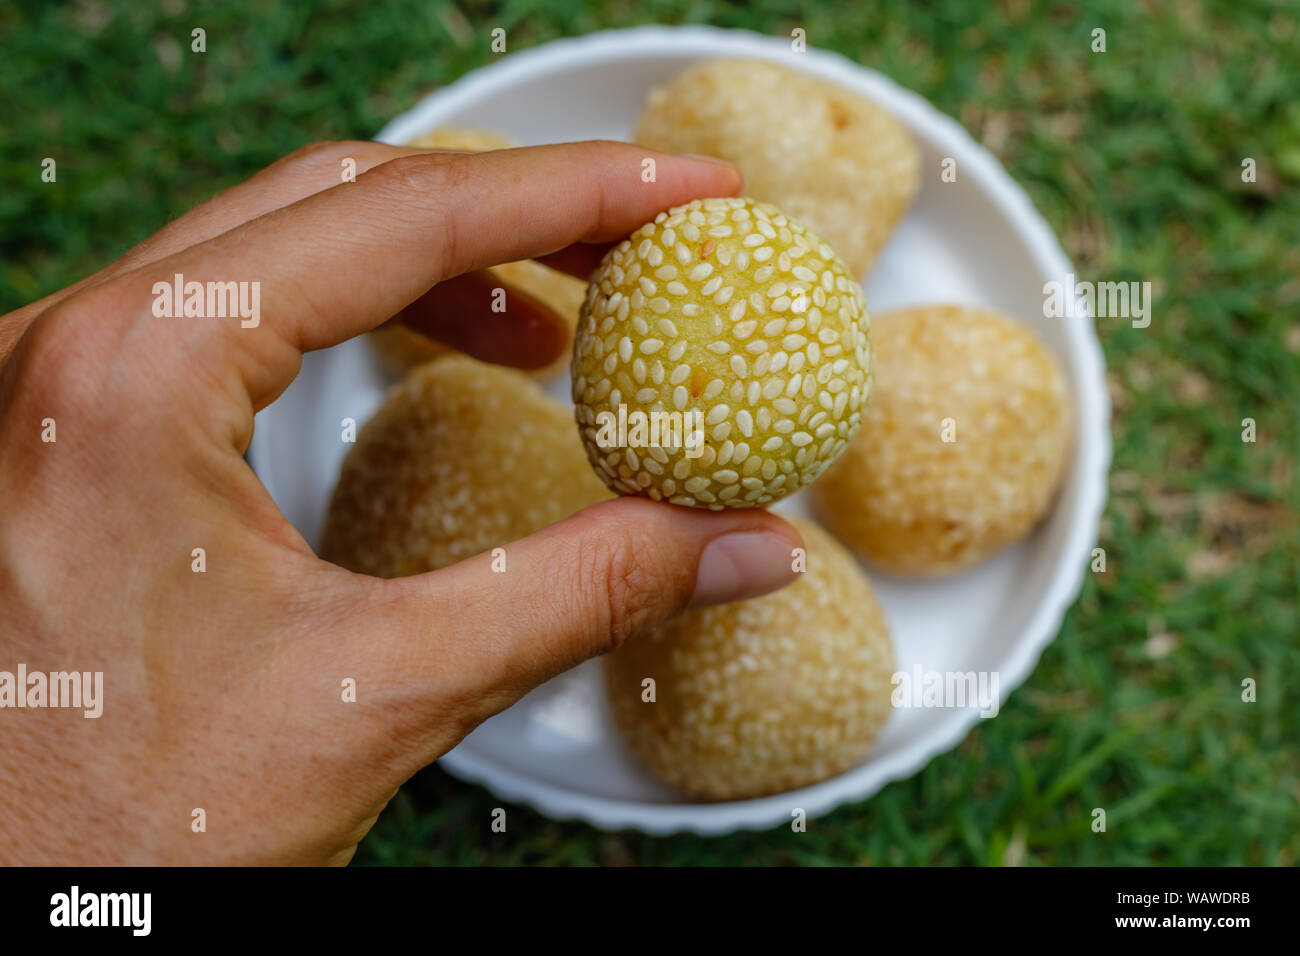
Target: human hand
x,y
222,689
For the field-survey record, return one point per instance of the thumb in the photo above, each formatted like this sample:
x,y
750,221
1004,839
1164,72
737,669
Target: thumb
x,y
491,628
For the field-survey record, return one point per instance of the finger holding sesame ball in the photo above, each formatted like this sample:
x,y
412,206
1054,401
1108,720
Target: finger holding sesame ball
x,y
737,330
760,696
962,449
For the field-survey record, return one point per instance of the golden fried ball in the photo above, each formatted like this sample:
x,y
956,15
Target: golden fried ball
x,y
961,449
461,458
764,695
400,348
826,156
731,313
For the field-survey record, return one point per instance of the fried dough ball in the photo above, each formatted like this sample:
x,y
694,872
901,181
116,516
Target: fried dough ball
x,y
461,458
734,317
830,158
962,448
760,696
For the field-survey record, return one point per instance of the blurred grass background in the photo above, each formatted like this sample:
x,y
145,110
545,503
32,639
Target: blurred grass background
x,y
1134,156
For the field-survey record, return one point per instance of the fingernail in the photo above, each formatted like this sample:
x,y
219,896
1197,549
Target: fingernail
x,y
742,565
730,167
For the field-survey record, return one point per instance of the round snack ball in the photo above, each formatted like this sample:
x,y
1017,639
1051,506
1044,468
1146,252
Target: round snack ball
x,y
832,158
744,325
400,348
462,457
962,449
763,695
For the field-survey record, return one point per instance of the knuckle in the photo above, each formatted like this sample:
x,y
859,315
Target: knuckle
x,y
420,184
422,173
623,590
68,350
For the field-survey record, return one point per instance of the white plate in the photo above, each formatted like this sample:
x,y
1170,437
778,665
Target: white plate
x,y
977,241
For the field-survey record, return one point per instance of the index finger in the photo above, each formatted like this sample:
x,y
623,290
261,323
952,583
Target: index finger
x,y
340,262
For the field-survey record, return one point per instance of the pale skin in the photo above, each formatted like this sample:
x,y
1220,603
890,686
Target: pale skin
x,y
223,689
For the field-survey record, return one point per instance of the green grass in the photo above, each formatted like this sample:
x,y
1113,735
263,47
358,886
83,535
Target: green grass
x,y
1134,156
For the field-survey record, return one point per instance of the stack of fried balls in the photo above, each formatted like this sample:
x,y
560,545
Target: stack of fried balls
x,y
928,439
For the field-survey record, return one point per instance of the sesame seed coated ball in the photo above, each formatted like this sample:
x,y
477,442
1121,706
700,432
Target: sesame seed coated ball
x,y
833,159
962,449
462,457
764,695
400,348
736,319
